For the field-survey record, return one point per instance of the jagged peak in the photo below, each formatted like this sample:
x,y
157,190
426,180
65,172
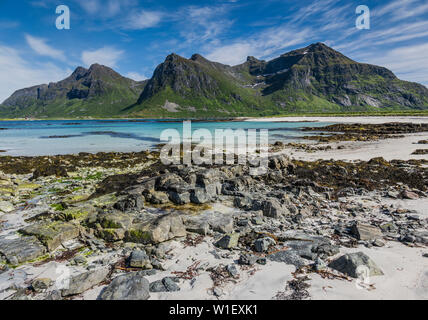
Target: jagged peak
x,y
198,57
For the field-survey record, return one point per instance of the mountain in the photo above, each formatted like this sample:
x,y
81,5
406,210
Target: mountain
x,y
312,79
97,91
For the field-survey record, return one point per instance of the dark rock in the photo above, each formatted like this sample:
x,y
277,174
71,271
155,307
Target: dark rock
x,y
228,241
247,259
199,196
179,198
349,264
130,286
272,208
365,232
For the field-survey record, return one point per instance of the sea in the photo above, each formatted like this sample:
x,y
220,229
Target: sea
x,y
55,137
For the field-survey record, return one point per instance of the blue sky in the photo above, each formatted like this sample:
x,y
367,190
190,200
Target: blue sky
x,y
133,36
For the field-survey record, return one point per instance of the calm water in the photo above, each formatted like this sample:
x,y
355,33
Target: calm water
x,y
29,138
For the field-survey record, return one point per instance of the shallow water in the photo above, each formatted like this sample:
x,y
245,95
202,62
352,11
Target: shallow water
x,y
51,137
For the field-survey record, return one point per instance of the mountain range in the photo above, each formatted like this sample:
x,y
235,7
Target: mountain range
x,y
312,79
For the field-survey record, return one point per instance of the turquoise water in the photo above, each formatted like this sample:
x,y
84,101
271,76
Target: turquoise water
x,y
51,137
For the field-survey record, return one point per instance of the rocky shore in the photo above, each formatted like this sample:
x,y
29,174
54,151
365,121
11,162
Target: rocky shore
x,y
124,226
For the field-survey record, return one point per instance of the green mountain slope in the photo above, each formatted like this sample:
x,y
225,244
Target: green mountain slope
x,y
312,79
97,91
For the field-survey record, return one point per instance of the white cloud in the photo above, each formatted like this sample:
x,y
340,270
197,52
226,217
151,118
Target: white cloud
x,y
136,76
143,19
414,67
231,54
39,45
262,45
90,6
108,56
17,73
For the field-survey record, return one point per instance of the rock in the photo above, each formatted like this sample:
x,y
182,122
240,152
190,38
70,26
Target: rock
x,y
272,208
319,264
349,263
167,181
84,281
263,245
288,257
159,230
157,286
111,234
407,194
217,292
325,250
130,286
52,234
228,241
170,284
378,243
365,231
199,196
257,220
132,202
167,284
278,162
245,202
157,197
217,221
139,259
179,198
54,295
41,284
21,249
114,220
231,269
6,207
247,259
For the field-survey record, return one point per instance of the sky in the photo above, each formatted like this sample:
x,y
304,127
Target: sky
x,y
133,36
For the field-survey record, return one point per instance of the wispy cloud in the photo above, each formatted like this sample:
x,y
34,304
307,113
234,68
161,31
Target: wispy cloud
x,y
17,73
136,76
108,56
41,47
410,62
143,19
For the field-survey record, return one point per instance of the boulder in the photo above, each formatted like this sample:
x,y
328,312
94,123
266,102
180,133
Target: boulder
x,y
131,202
365,231
114,220
247,259
349,263
167,284
41,284
129,286
157,197
228,241
217,221
199,196
288,257
263,245
52,234
272,208
84,281
179,198
158,230
21,249
139,259
6,206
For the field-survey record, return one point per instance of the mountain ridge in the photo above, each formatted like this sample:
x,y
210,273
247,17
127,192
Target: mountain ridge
x,y
315,78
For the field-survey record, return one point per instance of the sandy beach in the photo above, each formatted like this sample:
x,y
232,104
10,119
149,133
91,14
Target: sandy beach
x,y
109,222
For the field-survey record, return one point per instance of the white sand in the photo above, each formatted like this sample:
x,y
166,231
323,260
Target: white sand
x,y
389,149
405,276
385,119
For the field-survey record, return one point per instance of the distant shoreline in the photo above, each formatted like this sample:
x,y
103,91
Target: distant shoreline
x,y
421,113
